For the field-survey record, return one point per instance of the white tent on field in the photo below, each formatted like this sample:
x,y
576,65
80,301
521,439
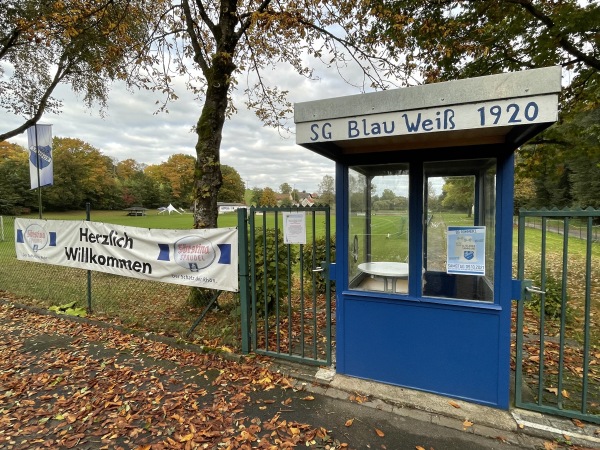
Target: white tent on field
x,y
168,209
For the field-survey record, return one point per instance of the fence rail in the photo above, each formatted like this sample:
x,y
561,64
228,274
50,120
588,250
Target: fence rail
x,y
133,302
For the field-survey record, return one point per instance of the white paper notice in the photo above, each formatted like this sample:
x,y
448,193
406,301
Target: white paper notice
x,y
294,228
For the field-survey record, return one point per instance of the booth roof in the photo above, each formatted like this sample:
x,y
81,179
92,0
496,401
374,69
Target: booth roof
x,y
537,84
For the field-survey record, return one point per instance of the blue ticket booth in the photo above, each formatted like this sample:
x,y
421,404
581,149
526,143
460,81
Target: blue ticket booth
x,y
424,209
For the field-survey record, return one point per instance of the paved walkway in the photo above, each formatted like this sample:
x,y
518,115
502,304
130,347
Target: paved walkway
x,y
75,383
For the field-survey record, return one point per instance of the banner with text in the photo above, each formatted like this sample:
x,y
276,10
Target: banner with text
x,y
202,258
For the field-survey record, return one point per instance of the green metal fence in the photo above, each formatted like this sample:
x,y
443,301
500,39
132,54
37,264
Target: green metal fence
x,y
284,288
134,302
557,361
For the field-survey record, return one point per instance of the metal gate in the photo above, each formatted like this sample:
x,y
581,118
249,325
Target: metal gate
x,y
285,288
557,361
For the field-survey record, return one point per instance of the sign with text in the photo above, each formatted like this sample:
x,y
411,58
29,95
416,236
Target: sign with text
x,y
205,258
294,228
497,113
466,250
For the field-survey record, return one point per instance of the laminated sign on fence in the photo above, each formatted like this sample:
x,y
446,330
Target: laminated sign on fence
x,y
205,258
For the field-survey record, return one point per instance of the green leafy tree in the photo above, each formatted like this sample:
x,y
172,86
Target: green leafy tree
x,y
443,40
81,174
256,195
458,193
285,188
388,195
268,197
233,188
327,191
81,43
436,39
15,193
564,163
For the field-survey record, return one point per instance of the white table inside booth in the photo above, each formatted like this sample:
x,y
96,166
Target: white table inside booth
x,y
388,270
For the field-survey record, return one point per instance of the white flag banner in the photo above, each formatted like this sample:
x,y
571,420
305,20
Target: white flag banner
x,y
39,139
205,258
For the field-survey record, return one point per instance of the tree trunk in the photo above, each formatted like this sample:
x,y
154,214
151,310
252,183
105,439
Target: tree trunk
x,y
207,175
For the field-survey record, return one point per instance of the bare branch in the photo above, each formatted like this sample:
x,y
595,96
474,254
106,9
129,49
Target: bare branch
x,y
62,71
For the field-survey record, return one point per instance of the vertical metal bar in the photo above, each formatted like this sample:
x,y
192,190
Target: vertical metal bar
x,y
243,270
253,280
314,288
587,315
563,313
327,287
290,311
88,216
541,362
277,330
265,278
301,307
519,330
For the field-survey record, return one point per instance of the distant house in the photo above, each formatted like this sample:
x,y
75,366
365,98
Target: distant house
x,y
307,199
229,207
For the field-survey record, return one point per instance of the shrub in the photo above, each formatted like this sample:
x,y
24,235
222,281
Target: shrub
x,y
553,297
319,255
273,283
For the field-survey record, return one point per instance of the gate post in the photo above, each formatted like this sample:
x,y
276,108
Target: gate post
x,y
245,298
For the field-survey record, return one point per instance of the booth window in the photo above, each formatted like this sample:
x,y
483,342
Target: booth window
x,y
459,230
378,228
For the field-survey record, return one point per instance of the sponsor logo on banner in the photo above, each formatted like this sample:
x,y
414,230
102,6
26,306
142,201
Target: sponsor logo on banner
x,y
201,258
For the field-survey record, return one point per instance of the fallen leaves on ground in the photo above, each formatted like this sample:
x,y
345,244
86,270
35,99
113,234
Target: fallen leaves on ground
x,y
77,385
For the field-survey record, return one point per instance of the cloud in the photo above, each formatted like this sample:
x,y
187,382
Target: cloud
x,y
131,128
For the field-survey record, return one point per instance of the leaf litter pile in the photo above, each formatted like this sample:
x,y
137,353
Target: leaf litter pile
x,y
66,384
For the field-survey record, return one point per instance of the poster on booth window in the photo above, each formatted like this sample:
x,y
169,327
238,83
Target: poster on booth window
x,y
466,251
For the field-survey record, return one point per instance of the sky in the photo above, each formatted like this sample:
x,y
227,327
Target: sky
x,y
263,156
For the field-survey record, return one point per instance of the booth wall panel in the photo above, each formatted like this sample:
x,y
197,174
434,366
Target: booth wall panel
x,y
446,350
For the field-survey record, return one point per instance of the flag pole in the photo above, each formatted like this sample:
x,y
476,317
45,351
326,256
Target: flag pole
x,y
37,159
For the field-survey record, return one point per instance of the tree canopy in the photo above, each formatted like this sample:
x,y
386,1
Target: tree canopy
x,y
82,43
327,190
220,44
436,40
448,39
233,189
82,173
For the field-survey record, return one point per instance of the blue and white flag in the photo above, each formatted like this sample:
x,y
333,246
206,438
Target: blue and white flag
x,y
40,137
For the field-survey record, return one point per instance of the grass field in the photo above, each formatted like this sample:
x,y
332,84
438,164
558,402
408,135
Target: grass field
x,y
164,307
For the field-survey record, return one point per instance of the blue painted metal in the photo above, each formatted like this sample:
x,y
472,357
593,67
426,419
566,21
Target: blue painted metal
x,y
445,346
